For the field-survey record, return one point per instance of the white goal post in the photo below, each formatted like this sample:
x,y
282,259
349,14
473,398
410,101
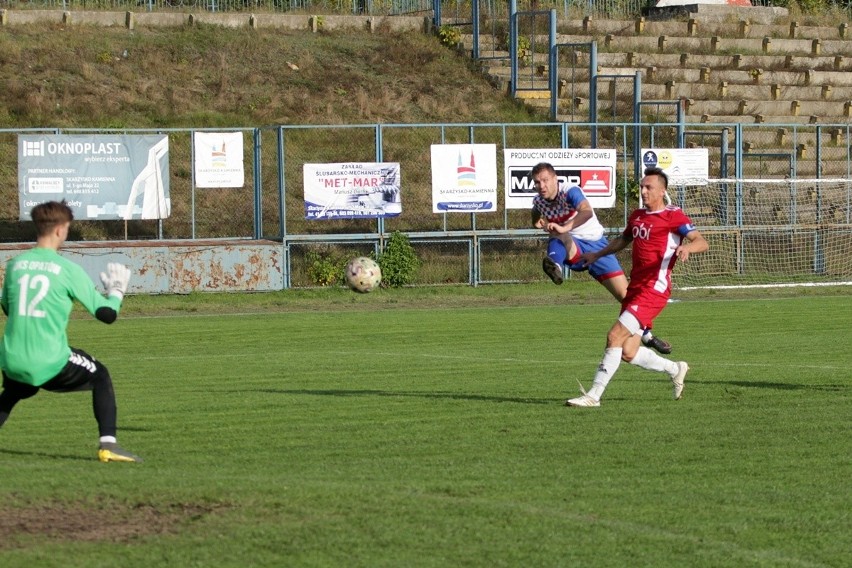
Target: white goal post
x,y
768,232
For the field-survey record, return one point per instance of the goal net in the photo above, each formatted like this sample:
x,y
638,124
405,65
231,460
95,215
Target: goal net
x,y
768,232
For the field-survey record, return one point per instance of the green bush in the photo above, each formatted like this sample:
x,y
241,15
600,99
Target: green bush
x,y
398,261
325,269
450,36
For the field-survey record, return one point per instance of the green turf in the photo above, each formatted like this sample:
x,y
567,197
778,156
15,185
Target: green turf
x,y
420,429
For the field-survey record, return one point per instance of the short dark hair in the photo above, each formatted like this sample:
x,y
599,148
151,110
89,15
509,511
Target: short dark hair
x,y
658,172
49,214
540,167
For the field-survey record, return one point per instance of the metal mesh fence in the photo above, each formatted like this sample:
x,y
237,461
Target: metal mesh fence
x,y
275,156
497,246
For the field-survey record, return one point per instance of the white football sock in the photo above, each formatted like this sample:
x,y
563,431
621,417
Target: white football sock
x,y
107,440
609,365
649,360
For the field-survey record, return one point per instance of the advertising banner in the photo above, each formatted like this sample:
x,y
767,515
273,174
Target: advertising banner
x,y
101,177
352,190
683,166
464,178
218,159
593,171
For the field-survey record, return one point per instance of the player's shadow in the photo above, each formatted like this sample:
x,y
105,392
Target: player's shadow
x,y
414,394
124,428
778,386
754,384
45,455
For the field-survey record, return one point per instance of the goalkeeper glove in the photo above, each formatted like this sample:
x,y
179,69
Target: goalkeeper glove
x,y
116,279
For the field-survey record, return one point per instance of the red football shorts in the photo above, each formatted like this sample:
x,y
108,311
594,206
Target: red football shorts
x,y
644,304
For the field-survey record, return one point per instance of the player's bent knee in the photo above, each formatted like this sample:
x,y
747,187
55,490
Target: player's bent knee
x,y
101,376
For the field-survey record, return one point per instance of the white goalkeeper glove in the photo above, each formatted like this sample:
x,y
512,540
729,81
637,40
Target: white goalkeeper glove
x,y
116,279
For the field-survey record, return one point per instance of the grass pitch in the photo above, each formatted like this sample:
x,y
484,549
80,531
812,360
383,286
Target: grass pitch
x,y
425,428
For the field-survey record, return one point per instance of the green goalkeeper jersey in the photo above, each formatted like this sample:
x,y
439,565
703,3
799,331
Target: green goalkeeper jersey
x,y
39,289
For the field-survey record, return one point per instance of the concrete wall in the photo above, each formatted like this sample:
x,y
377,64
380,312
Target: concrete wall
x,y
133,20
179,267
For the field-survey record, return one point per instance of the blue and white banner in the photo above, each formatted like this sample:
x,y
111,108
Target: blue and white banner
x,y
352,190
102,177
218,159
683,166
464,178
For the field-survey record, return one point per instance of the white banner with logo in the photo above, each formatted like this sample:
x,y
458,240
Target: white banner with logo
x,y
102,177
683,166
464,178
352,190
218,159
593,171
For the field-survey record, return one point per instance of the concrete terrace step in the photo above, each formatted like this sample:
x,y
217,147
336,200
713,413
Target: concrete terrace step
x,y
703,102
715,44
734,76
742,27
766,119
714,61
670,70
833,141
733,91
700,107
687,44
717,61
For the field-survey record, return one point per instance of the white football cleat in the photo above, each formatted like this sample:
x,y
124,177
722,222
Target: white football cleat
x,y
677,379
582,400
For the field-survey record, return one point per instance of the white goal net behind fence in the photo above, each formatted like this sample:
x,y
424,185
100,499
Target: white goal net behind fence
x,y
768,232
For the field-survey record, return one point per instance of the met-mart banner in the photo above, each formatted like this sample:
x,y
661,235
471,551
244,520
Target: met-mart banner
x,y
102,177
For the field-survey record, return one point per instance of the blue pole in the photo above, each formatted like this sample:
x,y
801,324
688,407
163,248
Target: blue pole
x,y
552,66
380,224
593,91
258,205
475,18
282,203
513,45
436,13
637,117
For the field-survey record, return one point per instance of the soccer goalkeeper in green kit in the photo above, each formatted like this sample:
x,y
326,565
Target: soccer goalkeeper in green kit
x,y
39,289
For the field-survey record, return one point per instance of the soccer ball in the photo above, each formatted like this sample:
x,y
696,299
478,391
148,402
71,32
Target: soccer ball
x,y
363,274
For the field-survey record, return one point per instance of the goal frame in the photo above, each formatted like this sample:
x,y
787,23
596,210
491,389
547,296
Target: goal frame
x,y
767,233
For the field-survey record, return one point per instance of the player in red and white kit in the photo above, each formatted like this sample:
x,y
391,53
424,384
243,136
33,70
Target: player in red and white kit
x,y
661,234
567,217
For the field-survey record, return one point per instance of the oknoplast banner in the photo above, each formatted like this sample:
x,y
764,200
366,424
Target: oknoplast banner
x,y
101,177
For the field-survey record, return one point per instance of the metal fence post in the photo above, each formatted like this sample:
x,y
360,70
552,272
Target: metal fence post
x,y
258,201
282,201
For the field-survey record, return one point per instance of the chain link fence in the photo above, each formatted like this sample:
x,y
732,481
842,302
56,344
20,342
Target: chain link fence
x,y
471,248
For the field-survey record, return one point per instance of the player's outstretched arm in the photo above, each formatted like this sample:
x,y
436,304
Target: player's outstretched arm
x,y
696,243
537,220
104,307
116,279
584,213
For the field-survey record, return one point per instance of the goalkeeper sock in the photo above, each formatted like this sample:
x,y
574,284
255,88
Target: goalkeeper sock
x,y
556,251
649,360
609,365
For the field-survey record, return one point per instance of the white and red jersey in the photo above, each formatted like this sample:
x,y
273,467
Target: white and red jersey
x,y
656,235
563,208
